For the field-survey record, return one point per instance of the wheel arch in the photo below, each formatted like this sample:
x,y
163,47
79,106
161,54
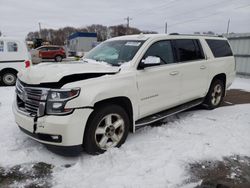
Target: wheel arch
x,y
8,70
124,102
58,55
223,78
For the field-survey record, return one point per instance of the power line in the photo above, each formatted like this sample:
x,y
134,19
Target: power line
x,y
206,16
165,5
201,8
209,15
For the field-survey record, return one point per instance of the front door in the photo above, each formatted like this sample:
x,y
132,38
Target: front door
x,y
159,85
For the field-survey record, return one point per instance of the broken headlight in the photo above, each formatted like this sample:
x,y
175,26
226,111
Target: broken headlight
x,y
57,100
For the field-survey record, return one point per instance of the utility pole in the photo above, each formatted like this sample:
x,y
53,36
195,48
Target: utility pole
x,y
228,25
128,20
166,27
40,30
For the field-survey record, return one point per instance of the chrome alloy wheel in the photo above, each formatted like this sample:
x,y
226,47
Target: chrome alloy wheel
x,y
109,131
216,95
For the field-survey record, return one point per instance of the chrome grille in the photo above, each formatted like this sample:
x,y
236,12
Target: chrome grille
x,y
31,100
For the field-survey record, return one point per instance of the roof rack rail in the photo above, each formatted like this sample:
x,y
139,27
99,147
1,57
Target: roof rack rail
x,y
174,34
207,35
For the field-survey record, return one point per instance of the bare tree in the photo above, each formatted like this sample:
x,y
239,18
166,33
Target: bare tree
x,y
59,36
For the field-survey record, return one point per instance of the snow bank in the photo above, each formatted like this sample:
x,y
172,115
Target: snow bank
x,y
152,157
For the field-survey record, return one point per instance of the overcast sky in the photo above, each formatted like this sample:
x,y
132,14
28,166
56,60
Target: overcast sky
x,y
18,17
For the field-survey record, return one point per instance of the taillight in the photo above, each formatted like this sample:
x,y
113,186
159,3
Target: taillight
x,y
27,63
40,54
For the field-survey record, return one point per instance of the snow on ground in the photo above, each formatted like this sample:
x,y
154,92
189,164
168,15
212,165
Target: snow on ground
x,y
152,157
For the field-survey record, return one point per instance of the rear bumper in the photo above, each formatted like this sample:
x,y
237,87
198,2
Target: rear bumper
x,y
65,130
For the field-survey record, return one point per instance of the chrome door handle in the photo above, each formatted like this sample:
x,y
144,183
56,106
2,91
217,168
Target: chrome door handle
x,y
203,67
174,73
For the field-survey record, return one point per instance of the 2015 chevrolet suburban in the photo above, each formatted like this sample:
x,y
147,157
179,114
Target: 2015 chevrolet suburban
x,y
121,85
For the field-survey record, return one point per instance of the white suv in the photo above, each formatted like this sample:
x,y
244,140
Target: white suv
x,y
121,85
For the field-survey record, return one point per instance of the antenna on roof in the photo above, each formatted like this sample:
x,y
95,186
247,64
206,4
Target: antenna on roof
x,y
174,34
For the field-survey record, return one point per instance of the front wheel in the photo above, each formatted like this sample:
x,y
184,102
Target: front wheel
x,y
215,95
9,78
107,127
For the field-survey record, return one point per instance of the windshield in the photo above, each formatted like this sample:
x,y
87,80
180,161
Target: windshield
x,y
115,52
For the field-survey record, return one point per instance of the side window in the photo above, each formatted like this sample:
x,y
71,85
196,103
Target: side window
x,y
188,50
43,49
12,47
51,48
163,50
1,46
219,48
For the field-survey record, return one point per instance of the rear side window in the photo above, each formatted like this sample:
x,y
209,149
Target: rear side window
x,y
53,48
188,50
219,48
1,46
12,47
43,49
163,50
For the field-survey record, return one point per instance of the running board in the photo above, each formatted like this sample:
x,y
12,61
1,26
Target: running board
x,y
166,113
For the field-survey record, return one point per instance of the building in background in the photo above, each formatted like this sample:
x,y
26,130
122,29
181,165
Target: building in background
x,y
240,44
81,42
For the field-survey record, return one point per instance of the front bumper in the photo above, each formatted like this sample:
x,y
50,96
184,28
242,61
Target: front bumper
x,y
67,130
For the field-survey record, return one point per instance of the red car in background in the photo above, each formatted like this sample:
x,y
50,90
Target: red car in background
x,y
52,52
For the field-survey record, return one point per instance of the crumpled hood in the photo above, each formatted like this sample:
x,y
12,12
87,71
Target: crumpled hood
x,y
54,72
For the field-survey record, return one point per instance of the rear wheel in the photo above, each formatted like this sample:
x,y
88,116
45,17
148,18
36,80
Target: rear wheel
x,y
107,127
58,58
9,78
215,94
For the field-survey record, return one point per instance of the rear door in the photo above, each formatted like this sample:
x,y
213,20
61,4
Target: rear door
x,y
159,85
52,52
193,69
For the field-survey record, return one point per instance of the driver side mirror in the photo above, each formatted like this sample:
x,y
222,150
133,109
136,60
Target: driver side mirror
x,y
150,61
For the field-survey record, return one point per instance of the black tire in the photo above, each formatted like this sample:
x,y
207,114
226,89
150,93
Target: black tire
x,y
58,58
214,98
8,78
91,138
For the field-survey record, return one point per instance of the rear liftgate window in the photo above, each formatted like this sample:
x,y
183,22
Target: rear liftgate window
x,y
219,48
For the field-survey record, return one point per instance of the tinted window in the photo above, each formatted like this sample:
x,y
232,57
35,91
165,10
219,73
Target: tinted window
x,y
188,50
12,47
43,49
219,48
53,48
1,46
163,50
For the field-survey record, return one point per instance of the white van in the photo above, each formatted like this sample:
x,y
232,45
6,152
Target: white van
x,y
14,56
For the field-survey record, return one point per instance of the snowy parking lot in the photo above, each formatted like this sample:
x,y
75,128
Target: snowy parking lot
x,y
156,156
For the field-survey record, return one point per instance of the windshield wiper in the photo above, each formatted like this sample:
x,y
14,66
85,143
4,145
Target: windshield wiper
x,y
96,61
